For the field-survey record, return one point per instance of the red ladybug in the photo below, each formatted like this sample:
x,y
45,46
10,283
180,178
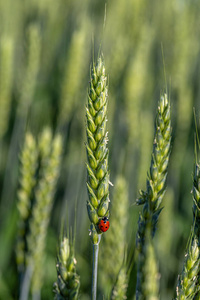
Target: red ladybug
x,y
104,224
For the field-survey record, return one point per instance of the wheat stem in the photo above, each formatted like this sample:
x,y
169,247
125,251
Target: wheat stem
x,y
26,283
95,268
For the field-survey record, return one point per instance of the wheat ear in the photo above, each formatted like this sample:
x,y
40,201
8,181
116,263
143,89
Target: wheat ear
x,y
29,162
68,283
156,181
97,158
188,281
121,285
50,154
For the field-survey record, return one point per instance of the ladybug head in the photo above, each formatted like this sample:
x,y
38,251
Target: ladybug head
x,y
105,219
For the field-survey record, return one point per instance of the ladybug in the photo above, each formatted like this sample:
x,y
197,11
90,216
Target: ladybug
x,y
104,224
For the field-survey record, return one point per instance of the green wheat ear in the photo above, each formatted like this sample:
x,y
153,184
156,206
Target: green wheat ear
x,y
121,285
188,282
96,146
97,159
50,150
186,287
29,162
68,282
156,185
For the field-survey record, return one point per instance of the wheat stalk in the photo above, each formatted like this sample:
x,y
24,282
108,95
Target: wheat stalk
x,y
150,275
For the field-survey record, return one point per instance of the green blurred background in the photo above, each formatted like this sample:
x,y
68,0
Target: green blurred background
x,y
46,50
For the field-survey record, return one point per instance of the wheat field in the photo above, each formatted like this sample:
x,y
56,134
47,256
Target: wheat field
x,y
151,52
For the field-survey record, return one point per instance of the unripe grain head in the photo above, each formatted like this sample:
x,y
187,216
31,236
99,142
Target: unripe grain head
x,y
96,147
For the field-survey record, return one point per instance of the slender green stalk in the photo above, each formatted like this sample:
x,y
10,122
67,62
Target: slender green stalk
x,y
97,155
151,275
94,271
95,268
156,182
24,292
